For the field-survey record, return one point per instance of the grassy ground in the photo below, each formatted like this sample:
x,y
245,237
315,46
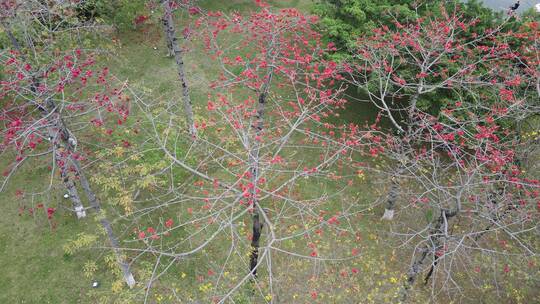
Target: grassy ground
x,y
35,269
33,265
32,262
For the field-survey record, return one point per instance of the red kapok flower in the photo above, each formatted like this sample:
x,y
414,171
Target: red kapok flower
x,y
50,212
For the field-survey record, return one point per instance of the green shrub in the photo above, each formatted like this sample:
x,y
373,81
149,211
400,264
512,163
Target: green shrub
x,y
120,13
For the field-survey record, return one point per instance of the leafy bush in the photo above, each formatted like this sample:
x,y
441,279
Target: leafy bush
x,y
343,21
120,13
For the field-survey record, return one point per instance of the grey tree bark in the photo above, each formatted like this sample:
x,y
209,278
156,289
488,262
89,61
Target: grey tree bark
x,y
115,244
53,137
58,131
96,205
433,244
393,195
172,41
170,51
254,163
69,184
394,192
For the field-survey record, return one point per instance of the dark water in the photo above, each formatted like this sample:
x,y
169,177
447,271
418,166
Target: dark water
x,y
505,4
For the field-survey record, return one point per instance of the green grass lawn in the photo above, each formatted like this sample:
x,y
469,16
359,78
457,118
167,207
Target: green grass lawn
x,y
145,66
35,269
33,265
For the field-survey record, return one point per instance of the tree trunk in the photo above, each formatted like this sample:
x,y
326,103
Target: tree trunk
x,y
254,163
393,194
392,198
64,134
178,57
60,132
62,157
128,276
170,51
95,203
72,192
53,136
436,235
255,243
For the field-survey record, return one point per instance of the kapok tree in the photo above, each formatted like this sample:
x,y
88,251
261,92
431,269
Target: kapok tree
x,y
464,98
263,158
473,197
423,67
52,98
